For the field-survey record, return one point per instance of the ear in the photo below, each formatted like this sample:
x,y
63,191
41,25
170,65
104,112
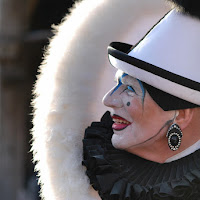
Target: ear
x,y
184,117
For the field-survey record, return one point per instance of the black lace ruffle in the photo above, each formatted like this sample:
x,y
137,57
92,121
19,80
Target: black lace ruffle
x,y
119,175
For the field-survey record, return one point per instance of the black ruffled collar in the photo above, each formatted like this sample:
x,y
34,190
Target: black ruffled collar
x,y
119,175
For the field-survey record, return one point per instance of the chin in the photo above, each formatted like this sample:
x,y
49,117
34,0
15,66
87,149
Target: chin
x,y
116,142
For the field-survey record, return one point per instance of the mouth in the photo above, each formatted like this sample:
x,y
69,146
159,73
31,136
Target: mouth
x,y
119,123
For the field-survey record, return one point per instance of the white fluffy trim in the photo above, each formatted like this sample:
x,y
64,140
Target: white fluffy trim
x,y
67,92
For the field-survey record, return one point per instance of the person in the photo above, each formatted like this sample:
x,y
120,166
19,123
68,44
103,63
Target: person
x,y
70,83
148,147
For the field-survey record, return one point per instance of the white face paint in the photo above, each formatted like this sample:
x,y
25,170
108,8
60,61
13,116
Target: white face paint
x,y
137,118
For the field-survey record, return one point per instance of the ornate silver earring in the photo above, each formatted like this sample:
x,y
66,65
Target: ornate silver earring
x,y
174,135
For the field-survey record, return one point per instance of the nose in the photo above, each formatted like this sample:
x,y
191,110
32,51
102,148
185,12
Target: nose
x,y
112,99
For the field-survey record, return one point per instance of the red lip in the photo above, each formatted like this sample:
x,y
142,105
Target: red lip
x,y
119,123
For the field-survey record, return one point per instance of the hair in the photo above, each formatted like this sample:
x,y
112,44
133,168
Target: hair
x,y
190,7
167,101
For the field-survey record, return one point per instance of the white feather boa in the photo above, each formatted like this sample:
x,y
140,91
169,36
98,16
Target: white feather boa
x,y
70,86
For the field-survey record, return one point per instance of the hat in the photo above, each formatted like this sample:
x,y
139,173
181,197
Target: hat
x,y
167,58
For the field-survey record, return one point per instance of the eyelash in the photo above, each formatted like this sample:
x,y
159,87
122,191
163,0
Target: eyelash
x,y
129,89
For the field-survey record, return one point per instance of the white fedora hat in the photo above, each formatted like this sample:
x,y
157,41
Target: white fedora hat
x,y
167,58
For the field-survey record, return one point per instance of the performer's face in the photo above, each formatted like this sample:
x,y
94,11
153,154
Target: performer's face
x,y
138,120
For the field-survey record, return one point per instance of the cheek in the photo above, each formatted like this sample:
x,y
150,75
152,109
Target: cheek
x,y
134,108
124,140
145,115
154,117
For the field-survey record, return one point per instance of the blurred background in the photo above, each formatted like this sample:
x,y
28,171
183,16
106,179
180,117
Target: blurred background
x,y
25,29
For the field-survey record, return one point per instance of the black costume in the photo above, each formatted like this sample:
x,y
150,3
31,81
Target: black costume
x,y
119,175
167,62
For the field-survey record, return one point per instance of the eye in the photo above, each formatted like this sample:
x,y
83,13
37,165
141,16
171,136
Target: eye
x,y
129,89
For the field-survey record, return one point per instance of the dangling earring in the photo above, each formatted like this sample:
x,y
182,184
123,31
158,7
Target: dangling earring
x,y
174,135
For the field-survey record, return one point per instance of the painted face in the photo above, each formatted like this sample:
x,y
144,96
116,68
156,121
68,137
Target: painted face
x,y
138,120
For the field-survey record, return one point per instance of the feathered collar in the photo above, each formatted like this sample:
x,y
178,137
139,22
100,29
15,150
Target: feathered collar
x,y
118,175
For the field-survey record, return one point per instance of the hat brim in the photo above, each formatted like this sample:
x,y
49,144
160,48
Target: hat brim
x,y
157,77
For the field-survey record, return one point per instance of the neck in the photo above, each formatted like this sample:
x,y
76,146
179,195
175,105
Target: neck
x,y
161,152
186,152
